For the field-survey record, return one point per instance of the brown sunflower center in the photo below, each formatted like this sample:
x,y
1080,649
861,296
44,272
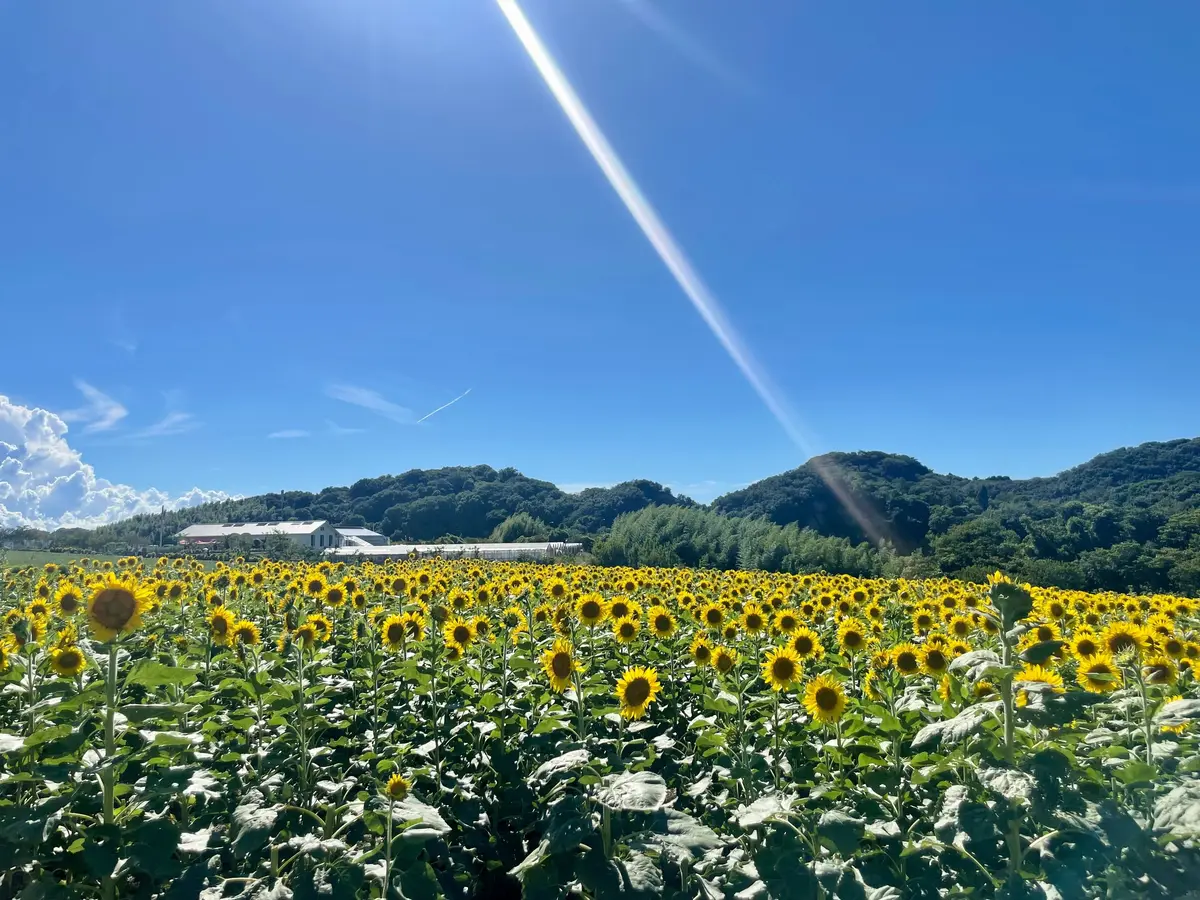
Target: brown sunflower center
x,y
1086,647
461,634
560,665
853,640
637,691
662,623
1120,642
395,632
754,621
114,607
713,616
590,609
783,669
627,629
826,699
906,661
803,645
69,658
703,654
724,663
935,660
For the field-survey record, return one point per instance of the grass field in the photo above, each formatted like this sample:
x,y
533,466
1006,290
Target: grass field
x,y
41,557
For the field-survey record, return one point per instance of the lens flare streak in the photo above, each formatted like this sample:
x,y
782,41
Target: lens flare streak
x,y
674,259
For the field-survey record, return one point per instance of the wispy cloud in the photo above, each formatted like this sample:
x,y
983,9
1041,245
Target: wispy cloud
x,y
170,424
372,400
335,429
101,413
288,433
444,405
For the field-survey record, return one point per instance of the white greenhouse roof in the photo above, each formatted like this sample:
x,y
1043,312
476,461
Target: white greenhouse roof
x,y
260,528
512,551
356,531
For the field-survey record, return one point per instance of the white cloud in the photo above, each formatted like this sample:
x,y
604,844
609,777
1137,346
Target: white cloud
x,y
171,423
574,487
288,433
45,483
336,429
101,413
372,400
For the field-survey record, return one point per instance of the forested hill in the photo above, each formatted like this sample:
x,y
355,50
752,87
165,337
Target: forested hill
x,y
458,502
1126,519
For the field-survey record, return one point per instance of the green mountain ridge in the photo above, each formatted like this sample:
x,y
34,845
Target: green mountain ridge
x,y
1127,519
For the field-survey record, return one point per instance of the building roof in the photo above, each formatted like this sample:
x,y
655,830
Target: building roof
x,y
356,531
516,549
252,528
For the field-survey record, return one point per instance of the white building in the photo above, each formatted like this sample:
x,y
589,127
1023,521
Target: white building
x,y
353,536
315,534
514,551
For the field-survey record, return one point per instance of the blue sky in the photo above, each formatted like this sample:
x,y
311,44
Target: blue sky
x,y
960,232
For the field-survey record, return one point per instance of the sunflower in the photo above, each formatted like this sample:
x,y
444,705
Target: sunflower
x,y
781,668
69,599
824,699
701,650
397,787
559,664
1160,670
923,620
620,607
785,621
220,624
712,615
555,589
960,626
907,659
1037,675
116,606
1174,646
1120,637
1098,673
414,624
67,661
315,585
636,691
305,635
1182,726
246,633
754,619
1085,644
724,659
323,626
806,644
852,635
625,629
591,609
661,622
454,653
934,659
458,633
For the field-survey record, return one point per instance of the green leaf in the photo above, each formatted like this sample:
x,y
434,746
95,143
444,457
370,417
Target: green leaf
x,y
46,735
1178,712
1136,772
635,791
956,730
143,712
153,674
976,665
1177,813
763,810
1041,651
1011,784
1012,602
11,743
572,759
420,821
841,831
252,823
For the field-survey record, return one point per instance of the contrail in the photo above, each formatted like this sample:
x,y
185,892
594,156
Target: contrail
x,y
673,256
444,405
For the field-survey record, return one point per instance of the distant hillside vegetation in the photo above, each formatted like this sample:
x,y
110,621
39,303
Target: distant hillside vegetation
x,y
1129,519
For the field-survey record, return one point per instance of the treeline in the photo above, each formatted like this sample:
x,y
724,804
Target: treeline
x,y
1126,520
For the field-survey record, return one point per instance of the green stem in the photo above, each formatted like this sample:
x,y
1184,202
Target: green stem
x,y
387,852
108,774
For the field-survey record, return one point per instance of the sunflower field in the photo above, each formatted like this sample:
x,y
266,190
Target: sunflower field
x,y
464,729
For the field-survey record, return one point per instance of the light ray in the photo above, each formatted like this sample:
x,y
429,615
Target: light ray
x,y
674,259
